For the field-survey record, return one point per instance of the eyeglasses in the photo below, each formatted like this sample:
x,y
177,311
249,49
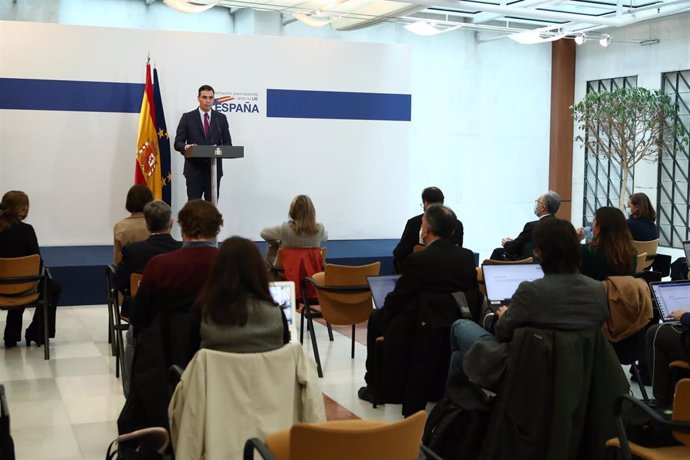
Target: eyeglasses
x,y
537,201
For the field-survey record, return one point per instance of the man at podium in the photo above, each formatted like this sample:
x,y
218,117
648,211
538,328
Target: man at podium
x,y
202,126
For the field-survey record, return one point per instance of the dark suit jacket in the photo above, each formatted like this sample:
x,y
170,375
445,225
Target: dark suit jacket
x,y
191,131
442,267
522,246
171,281
136,255
410,238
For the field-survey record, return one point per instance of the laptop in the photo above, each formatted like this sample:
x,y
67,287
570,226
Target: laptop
x,y
503,280
380,287
669,296
283,293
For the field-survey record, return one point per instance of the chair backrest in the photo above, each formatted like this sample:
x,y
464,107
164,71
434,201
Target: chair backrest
x,y
358,439
298,263
134,281
527,260
641,262
648,247
681,409
351,307
270,392
16,267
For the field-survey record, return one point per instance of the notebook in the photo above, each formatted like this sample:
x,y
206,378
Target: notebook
x,y
670,296
283,292
380,287
503,280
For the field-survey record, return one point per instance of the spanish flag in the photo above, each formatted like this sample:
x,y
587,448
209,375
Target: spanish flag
x,y
148,162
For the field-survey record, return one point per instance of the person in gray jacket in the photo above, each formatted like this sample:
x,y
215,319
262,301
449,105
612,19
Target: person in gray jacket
x,y
301,231
563,299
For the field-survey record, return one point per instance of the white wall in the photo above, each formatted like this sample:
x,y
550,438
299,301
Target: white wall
x,y
479,130
594,62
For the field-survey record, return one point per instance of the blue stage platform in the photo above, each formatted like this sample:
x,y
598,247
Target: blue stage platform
x,y
81,269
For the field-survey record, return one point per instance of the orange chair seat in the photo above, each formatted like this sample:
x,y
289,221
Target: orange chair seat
x,y
658,453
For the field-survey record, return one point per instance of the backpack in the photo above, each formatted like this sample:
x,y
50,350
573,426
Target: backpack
x,y
456,426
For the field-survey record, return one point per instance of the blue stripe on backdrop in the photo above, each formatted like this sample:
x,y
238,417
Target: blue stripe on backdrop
x,y
72,96
283,103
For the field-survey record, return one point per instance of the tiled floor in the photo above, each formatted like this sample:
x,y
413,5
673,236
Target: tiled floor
x,y
66,408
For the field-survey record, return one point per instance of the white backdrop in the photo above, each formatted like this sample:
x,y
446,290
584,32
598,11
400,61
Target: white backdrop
x,y
77,166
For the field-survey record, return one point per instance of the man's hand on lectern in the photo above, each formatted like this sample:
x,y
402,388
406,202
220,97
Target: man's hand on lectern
x,y
187,149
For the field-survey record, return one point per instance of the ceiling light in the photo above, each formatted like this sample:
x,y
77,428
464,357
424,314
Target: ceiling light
x,y
533,37
580,38
605,40
311,21
427,29
183,6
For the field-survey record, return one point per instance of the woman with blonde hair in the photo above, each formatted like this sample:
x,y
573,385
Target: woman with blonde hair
x,y
301,231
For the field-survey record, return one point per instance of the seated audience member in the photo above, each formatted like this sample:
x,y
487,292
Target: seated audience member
x,y
663,345
135,256
172,281
611,251
441,268
562,299
521,247
642,217
238,314
132,228
301,231
411,235
166,328
18,239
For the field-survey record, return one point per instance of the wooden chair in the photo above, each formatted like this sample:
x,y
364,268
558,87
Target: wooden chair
x,y
344,298
641,262
480,272
679,424
343,440
20,280
121,323
648,247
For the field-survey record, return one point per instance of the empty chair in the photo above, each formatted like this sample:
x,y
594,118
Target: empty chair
x,y
344,440
344,298
679,424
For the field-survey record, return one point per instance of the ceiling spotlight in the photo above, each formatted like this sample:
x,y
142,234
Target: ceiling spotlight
x,y
580,38
605,40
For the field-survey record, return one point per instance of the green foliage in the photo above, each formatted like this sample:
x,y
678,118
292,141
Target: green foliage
x,y
627,125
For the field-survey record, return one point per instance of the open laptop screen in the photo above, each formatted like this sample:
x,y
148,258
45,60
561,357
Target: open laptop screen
x,y
503,280
283,292
671,296
380,287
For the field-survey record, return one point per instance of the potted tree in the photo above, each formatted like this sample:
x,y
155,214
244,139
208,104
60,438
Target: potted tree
x,y
627,125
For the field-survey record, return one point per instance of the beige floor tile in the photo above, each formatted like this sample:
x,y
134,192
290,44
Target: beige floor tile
x,y
33,414
92,409
69,367
94,438
88,385
31,390
32,367
54,442
64,350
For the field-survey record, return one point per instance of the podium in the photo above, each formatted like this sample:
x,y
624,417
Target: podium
x,y
213,152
